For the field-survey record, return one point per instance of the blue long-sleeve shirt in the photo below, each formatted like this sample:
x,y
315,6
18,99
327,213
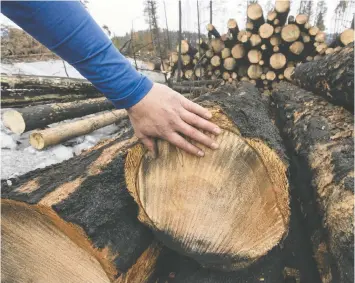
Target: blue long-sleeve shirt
x,y
66,28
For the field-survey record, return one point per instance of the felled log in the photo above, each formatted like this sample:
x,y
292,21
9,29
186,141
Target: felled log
x,y
212,30
331,76
67,131
282,7
22,90
35,117
68,225
290,33
266,30
183,206
255,15
322,135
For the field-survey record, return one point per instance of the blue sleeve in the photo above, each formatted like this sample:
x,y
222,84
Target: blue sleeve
x,y
66,28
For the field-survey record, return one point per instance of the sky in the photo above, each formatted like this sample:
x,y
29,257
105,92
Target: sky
x,y
121,15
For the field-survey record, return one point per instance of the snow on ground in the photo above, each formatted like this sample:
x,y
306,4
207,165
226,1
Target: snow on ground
x,y
18,156
56,68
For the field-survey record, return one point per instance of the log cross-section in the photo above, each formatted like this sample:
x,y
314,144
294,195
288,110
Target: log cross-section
x,y
183,198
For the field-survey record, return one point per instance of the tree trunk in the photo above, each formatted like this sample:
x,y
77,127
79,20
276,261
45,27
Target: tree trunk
x,y
255,15
332,77
35,117
255,218
82,200
321,135
67,131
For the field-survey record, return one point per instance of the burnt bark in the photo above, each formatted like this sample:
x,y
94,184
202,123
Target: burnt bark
x,y
331,77
321,136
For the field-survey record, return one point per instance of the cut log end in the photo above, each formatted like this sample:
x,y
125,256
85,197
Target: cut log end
x,y
266,30
238,51
14,121
282,6
229,63
297,47
254,11
347,36
290,33
176,191
301,19
277,61
254,56
255,71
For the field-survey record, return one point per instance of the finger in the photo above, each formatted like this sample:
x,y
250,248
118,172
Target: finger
x,y
195,108
198,122
196,135
182,143
150,145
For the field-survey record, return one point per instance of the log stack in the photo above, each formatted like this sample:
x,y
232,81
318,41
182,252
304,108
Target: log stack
x,y
266,45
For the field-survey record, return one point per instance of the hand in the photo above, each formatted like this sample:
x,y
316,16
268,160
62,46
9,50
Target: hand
x,y
166,114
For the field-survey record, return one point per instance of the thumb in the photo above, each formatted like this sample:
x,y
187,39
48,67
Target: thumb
x,y
150,145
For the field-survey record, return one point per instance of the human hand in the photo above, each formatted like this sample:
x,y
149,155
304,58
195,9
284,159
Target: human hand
x,y
166,114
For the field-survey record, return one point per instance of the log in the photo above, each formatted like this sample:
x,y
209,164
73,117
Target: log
x,y
271,16
321,48
255,15
23,90
67,131
216,61
277,61
301,19
209,53
238,51
185,47
321,136
275,40
65,225
254,56
212,30
189,74
266,30
277,29
229,63
34,117
255,40
255,71
233,28
249,26
296,48
225,53
288,72
313,31
217,45
331,76
320,36
290,33
254,219
347,36
270,75
282,7
226,76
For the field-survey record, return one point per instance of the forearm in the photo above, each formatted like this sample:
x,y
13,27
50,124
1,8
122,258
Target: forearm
x,y
68,30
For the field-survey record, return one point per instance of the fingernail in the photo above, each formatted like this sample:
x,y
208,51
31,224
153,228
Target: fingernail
x,y
208,115
200,153
214,145
217,130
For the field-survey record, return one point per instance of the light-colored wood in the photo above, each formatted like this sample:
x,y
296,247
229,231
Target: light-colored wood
x,y
321,48
225,53
290,33
261,62
185,47
229,63
277,61
282,6
226,76
216,61
320,36
238,51
271,16
254,11
266,30
186,59
288,72
188,74
270,75
199,72
209,53
249,26
275,40
313,31
183,197
255,71
217,45
347,36
255,40
66,131
301,19
277,29
329,51
35,249
305,37
296,47
254,56
276,49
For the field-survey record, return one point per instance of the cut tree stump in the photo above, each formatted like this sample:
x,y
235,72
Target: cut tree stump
x,y
67,131
79,219
331,76
322,135
183,198
35,117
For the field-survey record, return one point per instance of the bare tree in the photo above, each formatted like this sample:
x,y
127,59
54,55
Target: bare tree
x,y
321,11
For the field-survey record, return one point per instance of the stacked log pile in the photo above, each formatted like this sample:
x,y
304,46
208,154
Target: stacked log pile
x,y
266,51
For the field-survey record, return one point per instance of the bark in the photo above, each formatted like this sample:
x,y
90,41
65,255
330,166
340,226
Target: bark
x,y
67,131
171,200
92,200
321,135
35,117
22,90
332,77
